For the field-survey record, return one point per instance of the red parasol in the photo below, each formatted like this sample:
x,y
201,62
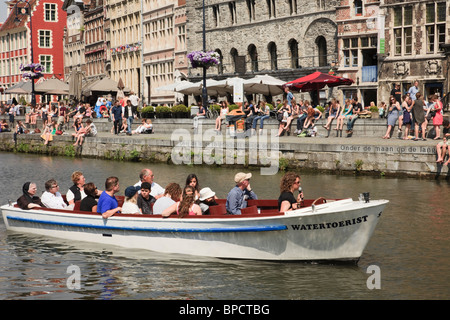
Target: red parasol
x,y
316,81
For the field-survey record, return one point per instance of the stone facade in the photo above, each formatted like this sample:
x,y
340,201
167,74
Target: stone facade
x,y
285,39
415,32
95,55
74,60
125,42
164,49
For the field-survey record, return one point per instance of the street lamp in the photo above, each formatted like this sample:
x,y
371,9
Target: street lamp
x,y
204,89
26,10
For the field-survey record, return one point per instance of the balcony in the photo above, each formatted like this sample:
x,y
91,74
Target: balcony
x,y
369,74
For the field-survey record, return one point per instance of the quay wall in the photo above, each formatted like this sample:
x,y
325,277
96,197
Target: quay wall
x,y
364,153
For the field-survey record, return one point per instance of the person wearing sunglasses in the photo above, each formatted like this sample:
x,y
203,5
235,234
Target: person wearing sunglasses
x,y
51,197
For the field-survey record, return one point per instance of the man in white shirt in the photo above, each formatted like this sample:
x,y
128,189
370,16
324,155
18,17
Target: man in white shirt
x,y
134,99
147,175
51,198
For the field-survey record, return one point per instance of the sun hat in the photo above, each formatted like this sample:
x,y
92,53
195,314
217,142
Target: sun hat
x,y
131,191
206,193
241,176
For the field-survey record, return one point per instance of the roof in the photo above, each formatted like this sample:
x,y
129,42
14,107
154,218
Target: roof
x,y
9,23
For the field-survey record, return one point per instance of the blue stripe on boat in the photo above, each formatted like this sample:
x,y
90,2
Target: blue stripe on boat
x,y
211,230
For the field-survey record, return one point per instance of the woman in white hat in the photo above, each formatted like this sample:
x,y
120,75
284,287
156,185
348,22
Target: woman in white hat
x,y
207,199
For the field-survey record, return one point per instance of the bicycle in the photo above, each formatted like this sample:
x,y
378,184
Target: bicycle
x,y
211,113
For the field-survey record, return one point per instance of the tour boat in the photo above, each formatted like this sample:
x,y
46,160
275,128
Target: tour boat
x,y
321,230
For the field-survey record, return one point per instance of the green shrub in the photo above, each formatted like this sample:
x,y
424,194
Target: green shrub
x,y
179,108
147,109
215,107
162,109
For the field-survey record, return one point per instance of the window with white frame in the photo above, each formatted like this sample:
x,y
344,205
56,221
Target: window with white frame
x,y
435,26
403,19
46,62
50,12
350,52
358,5
45,38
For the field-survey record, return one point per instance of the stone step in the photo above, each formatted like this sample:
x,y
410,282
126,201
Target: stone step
x,y
362,127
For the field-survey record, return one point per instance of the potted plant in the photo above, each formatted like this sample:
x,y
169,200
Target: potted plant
x,y
148,112
201,59
32,71
374,111
163,112
180,111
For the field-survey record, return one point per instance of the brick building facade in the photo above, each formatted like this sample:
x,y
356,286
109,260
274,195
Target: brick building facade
x,y
357,41
48,23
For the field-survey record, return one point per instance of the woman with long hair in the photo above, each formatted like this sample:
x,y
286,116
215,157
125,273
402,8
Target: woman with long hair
x,y
393,112
192,181
289,183
406,111
186,206
335,112
224,109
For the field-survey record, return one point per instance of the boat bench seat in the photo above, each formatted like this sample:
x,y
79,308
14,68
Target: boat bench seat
x,y
263,204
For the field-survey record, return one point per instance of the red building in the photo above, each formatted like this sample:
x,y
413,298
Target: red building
x,y
48,21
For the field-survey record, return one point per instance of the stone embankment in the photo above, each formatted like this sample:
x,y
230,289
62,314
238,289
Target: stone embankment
x,y
174,141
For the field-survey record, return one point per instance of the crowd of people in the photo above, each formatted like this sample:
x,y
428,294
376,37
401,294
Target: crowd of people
x,y
58,117
148,197
414,113
144,197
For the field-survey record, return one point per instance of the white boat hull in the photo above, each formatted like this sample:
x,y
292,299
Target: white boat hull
x,y
337,230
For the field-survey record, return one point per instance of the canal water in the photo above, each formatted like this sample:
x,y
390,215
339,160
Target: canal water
x,y
407,257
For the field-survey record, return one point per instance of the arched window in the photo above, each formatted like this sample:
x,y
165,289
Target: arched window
x,y
293,49
251,9
273,56
271,8
322,50
220,66
233,54
253,54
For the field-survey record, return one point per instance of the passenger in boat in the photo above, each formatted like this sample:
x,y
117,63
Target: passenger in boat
x,y
107,203
192,180
145,201
130,205
186,206
76,191
147,175
171,195
236,199
207,199
89,203
29,199
51,197
288,185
